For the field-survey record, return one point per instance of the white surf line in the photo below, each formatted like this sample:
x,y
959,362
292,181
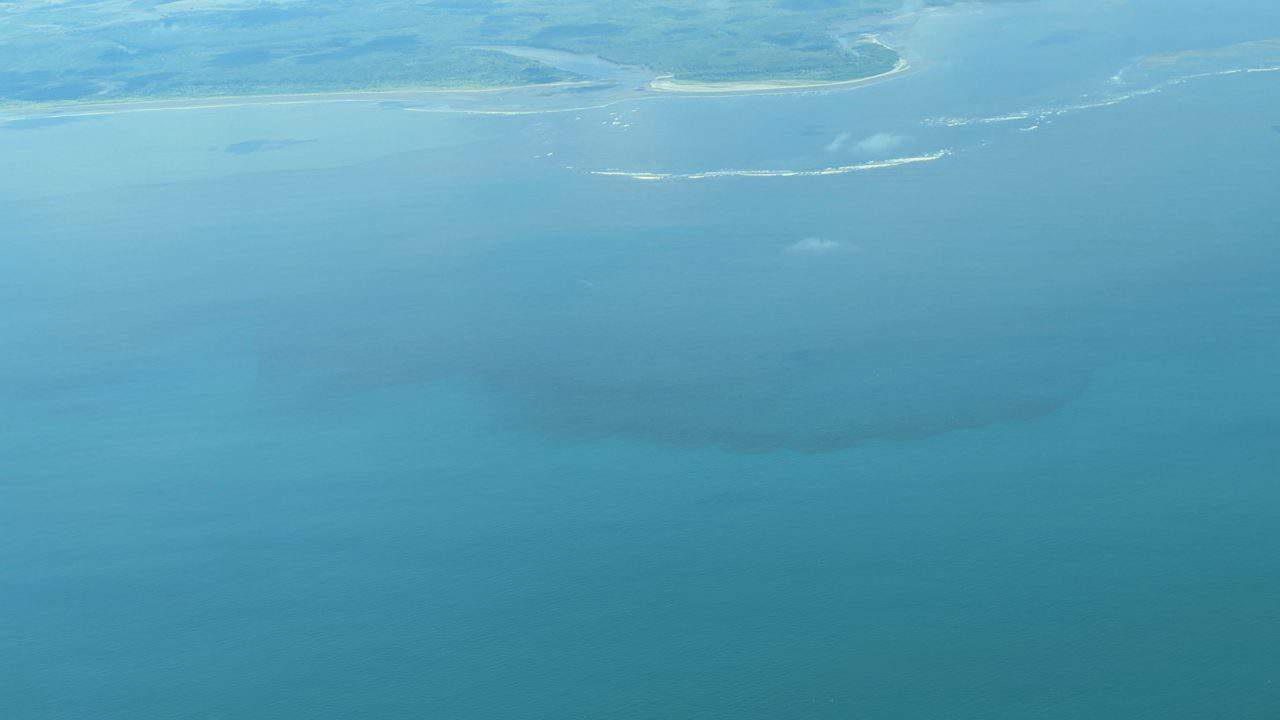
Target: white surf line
x,y
662,96
370,96
713,174
666,96
176,108
1043,114
213,103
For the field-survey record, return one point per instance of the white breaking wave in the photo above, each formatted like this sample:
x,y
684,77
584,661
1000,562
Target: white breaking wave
x,y
1041,115
837,170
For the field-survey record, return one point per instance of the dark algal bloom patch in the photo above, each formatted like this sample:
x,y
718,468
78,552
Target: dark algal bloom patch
x,y
41,123
248,147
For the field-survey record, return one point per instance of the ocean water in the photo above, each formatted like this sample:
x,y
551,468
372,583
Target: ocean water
x,y
960,402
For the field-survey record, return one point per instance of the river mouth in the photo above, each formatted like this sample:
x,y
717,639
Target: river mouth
x,y
588,66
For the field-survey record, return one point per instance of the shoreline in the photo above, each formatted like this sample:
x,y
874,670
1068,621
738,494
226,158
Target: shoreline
x,y
668,83
662,86
115,106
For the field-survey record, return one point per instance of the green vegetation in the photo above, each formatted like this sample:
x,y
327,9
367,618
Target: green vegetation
x,y
118,49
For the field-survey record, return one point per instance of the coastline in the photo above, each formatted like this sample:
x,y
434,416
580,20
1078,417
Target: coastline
x,y
665,85
82,108
668,83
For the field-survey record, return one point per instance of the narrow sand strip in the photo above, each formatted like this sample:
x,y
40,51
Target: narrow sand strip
x,y
669,84
114,107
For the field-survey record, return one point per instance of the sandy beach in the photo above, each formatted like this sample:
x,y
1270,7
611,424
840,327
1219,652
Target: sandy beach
x,y
114,107
669,84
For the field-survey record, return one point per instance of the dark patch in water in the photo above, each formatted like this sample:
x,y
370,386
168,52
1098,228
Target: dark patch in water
x,y
691,333
39,123
756,368
248,147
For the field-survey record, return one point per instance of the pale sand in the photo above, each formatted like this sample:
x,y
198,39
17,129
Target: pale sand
x,y
669,84
113,107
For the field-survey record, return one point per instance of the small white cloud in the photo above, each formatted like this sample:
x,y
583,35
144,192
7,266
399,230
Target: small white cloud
x,y
814,246
880,143
838,142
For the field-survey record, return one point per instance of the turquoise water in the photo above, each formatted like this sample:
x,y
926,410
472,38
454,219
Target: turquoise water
x,y
330,411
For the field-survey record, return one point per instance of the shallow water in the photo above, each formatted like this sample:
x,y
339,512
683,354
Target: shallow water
x,y
345,409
